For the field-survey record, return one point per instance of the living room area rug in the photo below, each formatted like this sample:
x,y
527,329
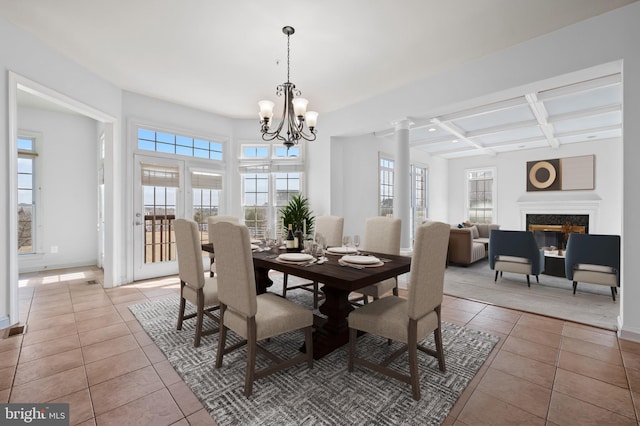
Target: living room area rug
x,y
552,296
325,395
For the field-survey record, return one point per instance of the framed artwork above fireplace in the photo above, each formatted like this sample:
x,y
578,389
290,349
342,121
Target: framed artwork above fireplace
x,y
561,174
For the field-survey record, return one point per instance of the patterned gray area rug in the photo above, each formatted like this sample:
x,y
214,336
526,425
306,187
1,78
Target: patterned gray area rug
x,y
325,395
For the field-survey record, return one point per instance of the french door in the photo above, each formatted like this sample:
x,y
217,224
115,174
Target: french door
x,y
159,198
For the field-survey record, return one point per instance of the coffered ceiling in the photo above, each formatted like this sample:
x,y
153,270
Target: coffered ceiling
x,y
584,111
222,57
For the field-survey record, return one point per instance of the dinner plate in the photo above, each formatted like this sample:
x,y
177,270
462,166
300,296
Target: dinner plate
x,y
341,250
255,241
254,247
295,257
360,260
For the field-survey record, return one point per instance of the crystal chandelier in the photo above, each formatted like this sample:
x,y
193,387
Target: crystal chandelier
x,y
294,112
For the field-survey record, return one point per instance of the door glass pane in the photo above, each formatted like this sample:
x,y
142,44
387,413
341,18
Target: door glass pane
x,y
159,214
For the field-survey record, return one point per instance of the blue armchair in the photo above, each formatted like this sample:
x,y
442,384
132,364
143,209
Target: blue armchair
x,y
594,259
515,251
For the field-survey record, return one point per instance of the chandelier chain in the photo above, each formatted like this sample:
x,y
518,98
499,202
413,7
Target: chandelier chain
x,y
288,78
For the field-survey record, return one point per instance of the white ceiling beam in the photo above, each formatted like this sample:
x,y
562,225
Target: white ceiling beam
x,y
590,130
460,134
585,113
452,150
432,141
523,141
584,86
541,114
502,128
483,109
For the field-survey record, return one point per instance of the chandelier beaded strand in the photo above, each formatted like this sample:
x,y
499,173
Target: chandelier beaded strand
x,y
294,112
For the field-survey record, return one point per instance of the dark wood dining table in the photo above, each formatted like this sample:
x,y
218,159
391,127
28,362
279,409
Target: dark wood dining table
x,y
338,282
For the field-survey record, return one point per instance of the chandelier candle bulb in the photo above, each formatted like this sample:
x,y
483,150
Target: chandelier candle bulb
x,y
312,118
266,109
300,106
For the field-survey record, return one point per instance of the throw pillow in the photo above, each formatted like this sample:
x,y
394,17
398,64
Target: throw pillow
x,y
460,226
467,224
474,232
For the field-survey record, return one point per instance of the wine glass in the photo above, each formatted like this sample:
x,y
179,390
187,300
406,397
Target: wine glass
x,y
346,241
267,239
356,241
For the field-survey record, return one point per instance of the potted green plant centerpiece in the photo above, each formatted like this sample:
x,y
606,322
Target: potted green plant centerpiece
x,y
297,214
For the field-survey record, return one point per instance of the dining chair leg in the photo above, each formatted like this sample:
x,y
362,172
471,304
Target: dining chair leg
x,y
437,337
308,344
183,303
496,277
222,337
528,282
613,293
412,348
251,357
353,335
200,317
575,286
285,280
315,295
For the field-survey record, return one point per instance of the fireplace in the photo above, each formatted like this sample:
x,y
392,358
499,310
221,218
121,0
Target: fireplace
x,y
551,230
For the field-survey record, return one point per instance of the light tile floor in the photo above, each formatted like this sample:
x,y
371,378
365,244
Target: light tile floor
x,y
83,346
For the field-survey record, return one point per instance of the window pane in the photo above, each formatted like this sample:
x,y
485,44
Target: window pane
x,y
25,144
183,150
184,141
25,165
146,145
480,196
163,147
165,137
146,134
178,144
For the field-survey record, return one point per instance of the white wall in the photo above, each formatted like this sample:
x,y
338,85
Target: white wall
x,y
511,184
604,39
32,59
68,190
603,42
355,179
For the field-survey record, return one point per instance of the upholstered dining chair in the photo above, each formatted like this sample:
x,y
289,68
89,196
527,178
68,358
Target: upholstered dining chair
x,y
253,317
594,259
381,235
408,320
330,228
212,220
200,291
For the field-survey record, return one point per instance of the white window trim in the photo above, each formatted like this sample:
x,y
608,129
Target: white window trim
x,y
494,191
384,155
413,193
135,124
271,156
37,185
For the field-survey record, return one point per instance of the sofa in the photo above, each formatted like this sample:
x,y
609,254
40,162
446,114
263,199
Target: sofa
x,y
469,243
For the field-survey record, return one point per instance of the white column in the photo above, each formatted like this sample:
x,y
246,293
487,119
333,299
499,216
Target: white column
x,y
402,184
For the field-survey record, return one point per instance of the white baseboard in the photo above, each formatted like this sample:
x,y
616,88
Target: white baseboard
x,y
626,334
5,322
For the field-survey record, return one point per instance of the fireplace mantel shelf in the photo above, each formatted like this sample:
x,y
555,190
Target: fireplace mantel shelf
x,y
559,197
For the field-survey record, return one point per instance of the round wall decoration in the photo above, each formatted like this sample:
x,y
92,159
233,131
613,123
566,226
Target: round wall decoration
x,y
539,171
